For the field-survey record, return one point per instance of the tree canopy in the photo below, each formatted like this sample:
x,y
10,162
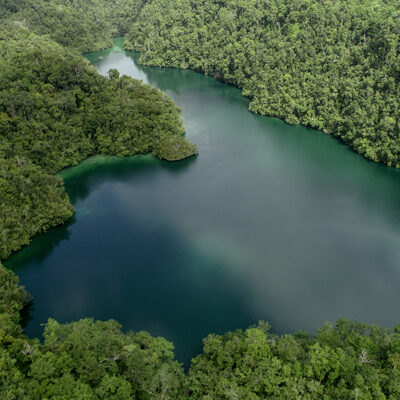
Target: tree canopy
x,y
80,360
77,24
330,65
55,111
96,360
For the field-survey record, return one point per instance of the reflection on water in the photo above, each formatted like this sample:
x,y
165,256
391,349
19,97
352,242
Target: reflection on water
x,y
270,222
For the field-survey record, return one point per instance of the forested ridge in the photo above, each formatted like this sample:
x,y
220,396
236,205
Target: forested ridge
x,y
77,24
55,111
331,65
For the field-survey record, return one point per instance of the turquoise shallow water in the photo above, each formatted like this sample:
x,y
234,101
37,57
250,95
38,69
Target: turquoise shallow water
x,y
269,222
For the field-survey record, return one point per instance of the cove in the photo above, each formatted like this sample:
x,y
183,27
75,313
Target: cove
x,y
270,221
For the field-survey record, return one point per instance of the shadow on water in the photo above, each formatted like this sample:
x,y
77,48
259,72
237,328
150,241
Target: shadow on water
x,y
41,247
182,303
79,182
27,314
270,222
92,173
148,284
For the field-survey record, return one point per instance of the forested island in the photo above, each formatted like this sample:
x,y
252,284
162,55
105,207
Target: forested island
x,y
329,65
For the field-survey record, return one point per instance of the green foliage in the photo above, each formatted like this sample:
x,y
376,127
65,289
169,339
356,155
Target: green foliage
x,y
31,201
13,345
348,361
79,24
95,360
122,14
331,65
55,111
13,298
81,360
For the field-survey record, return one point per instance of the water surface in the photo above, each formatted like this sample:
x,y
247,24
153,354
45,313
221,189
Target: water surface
x,y
269,222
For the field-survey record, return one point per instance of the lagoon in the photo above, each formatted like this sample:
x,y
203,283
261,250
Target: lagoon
x,y
270,222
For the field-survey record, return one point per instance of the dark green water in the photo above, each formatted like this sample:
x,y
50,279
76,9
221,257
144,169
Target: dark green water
x,y
270,222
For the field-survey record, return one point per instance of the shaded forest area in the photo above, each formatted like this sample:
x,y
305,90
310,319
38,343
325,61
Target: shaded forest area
x,y
77,24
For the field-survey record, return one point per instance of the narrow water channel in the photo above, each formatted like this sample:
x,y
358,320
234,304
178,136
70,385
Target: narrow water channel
x,y
270,222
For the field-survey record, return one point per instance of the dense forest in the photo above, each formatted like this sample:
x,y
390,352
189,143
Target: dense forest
x,y
77,24
331,65
55,111
96,361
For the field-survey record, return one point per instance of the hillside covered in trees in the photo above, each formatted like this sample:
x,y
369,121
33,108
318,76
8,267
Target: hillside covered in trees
x,y
55,111
77,24
331,65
